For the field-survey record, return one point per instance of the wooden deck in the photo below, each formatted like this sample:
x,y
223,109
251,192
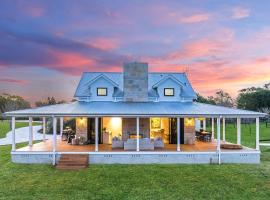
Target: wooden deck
x,y
63,146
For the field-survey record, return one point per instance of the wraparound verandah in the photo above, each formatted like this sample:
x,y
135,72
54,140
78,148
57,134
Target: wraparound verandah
x,y
57,147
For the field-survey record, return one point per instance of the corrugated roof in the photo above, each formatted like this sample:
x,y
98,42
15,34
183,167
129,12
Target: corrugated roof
x,y
135,109
117,77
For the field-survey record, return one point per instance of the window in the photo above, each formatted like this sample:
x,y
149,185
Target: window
x,y
101,91
168,91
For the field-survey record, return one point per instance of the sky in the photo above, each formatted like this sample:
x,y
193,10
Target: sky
x,y
46,45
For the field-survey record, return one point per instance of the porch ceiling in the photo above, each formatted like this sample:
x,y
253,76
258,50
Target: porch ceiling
x,y
185,109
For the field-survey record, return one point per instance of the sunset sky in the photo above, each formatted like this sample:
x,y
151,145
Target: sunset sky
x,y
46,45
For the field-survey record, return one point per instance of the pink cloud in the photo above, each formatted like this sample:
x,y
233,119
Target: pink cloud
x,y
212,76
240,12
15,81
215,45
219,61
195,18
199,48
167,15
262,60
106,44
70,62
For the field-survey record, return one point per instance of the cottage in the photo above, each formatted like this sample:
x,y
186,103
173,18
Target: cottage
x,y
137,117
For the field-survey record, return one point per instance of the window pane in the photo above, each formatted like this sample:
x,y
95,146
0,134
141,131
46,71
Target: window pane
x,y
169,92
102,91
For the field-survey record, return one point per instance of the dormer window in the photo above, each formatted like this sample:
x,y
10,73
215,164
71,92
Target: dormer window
x,y
168,92
101,91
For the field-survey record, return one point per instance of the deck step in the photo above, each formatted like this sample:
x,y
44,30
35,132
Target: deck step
x,y
71,161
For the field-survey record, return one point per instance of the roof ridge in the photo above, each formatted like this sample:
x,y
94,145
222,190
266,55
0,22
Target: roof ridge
x,y
148,72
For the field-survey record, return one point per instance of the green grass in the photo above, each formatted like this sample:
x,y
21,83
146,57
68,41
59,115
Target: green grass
x,y
5,127
248,133
22,181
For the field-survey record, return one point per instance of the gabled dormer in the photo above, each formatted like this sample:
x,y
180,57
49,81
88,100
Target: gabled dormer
x,y
98,88
169,88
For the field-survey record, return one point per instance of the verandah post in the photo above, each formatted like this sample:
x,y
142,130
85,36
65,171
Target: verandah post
x,y
218,140
223,129
44,128
138,133
61,126
96,133
239,130
204,124
257,133
30,131
13,133
54,139
213,128
178,134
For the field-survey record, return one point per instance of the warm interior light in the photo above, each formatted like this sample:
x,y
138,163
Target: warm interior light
x,y
201,118
82,120
116,121
189,122
112,127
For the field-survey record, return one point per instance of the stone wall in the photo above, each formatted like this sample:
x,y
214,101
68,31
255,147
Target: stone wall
x,y
129,126
136,82
189,135
81,127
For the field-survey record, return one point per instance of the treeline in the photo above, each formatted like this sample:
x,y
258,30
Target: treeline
x,y
13,102
253,98
48,101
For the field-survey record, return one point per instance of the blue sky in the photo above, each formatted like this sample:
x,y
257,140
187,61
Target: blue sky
x,y
46,45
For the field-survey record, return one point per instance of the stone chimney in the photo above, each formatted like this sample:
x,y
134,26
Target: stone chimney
x,y
136,82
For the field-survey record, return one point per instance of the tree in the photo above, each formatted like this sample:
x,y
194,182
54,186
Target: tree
x,y
12,102
223,99
48,101
208,100
257,99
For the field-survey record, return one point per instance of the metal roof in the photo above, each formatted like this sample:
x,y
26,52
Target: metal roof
x,y
104,108
117,77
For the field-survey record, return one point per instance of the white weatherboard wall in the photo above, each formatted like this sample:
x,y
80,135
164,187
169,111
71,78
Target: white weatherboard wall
x,y
169,83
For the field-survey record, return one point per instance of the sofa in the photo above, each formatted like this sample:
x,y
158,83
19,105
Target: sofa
x,y
145,144
117,143
158,143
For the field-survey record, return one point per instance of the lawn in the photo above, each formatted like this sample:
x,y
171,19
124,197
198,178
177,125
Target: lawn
x,y
5,126
22,181
248,131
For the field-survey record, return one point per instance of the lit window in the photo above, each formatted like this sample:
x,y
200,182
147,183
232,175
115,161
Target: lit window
x,y
101,91
168,91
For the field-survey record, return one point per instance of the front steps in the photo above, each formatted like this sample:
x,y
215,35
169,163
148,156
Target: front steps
x,y
73,161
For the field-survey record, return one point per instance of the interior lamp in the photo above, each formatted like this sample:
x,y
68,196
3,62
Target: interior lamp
x,y
189,122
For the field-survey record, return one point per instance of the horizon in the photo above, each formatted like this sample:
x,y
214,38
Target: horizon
x,y
47,45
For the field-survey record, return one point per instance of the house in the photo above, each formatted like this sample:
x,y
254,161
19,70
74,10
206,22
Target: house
x,y
137,116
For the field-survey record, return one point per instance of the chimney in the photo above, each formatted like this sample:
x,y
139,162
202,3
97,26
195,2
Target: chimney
x,y
136,82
